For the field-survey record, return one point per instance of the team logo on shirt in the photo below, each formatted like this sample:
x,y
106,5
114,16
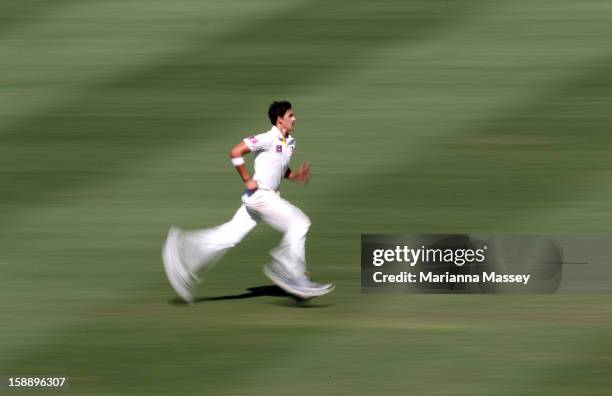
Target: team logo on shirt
x,y
253,139
279,148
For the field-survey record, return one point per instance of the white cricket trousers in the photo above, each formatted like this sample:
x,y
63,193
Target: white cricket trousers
x,y
203,247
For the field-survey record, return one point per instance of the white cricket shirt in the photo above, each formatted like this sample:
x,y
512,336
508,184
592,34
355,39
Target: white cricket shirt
x,y
272,156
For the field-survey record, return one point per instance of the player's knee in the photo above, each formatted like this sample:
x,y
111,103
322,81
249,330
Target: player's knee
x,y
235,238
302,223
306,222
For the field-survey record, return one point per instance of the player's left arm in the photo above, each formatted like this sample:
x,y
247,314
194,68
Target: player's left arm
x,y
302,175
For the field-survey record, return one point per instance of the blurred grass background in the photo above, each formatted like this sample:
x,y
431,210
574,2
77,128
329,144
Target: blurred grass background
x,y
418,116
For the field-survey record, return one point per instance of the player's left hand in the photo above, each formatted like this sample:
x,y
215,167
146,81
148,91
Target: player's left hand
x,y
304,173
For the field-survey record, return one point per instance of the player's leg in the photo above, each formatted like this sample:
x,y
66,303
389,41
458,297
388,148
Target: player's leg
x,y
288,219
185,253
288,268
290,254
200,249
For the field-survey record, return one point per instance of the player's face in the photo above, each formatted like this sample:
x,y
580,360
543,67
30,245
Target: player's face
x,y
287,122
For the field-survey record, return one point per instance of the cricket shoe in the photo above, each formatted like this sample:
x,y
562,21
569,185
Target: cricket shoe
x,y
302,287
180,278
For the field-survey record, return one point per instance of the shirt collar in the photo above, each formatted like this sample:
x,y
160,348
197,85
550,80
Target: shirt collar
x,y
279,134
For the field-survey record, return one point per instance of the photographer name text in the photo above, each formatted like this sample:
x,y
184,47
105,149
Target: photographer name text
x,y
432,277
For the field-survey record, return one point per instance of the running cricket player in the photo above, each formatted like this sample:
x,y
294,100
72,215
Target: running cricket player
x,y
189,253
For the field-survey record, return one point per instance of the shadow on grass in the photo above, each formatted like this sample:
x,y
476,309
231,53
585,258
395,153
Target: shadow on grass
x,y
257,291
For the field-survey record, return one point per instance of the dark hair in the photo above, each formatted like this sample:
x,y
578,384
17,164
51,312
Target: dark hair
x,y
278,109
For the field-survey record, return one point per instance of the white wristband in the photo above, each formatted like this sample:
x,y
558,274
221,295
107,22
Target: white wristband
x,y
237,161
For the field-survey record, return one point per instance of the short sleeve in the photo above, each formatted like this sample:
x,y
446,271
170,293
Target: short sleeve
x,y
258,142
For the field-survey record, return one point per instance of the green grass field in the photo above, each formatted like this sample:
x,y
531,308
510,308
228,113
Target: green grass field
x,y
417,116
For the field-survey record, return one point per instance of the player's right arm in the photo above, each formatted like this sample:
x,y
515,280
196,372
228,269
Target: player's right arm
x,y
236,154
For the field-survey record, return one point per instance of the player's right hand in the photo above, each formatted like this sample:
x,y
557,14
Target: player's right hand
x,y
251,185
